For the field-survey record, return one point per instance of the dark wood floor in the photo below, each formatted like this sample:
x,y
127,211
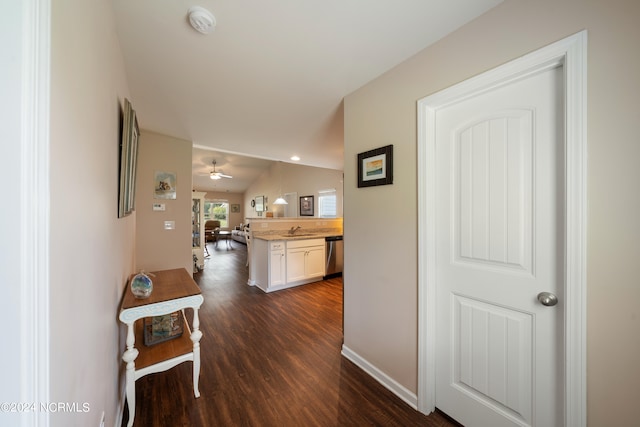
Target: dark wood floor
x,y
269,360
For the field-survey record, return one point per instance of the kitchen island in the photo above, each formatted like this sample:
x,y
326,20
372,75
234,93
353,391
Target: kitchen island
x,y
288,255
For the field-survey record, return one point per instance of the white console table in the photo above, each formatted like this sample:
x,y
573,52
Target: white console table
x,y
173,290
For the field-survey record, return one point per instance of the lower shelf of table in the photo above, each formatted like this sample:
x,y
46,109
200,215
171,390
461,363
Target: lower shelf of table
x,y
151,355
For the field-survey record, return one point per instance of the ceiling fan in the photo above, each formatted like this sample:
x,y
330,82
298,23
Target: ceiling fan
x,y
217,175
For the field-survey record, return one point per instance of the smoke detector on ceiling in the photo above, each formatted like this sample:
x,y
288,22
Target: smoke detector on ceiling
x,y
201,19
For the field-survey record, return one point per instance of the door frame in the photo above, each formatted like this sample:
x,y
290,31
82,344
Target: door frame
x,y
571,54
33,35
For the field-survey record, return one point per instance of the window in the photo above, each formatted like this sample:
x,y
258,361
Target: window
x,y
327,204
217,209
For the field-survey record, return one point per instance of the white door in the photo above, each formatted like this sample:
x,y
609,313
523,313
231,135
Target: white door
x,y
499,243
291,208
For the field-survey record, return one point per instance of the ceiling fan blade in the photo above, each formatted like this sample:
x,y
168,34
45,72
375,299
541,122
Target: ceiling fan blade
x,y
225,176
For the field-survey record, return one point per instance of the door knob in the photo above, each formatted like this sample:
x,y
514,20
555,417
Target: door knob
x,y
547,298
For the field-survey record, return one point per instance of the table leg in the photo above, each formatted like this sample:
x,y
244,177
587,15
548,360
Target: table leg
x,y
196,334
129,357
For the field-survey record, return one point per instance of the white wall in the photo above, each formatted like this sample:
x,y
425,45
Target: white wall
x,y
381,284
92,251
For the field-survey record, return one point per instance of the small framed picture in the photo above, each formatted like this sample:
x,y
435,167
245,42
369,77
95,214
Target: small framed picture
x,y
259,203
375,167
306,206
235,208
159,329
164,185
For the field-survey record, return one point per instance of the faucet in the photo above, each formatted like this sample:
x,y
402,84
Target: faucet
x,y
293,230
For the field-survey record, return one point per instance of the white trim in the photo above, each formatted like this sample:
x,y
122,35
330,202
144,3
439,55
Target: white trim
x,y
389,383
571,54
34,208
576,237
121,402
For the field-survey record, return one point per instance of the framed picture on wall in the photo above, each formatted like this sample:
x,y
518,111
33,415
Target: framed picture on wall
x,y
306,206
164,185
128,161
259,205
375,167
235,208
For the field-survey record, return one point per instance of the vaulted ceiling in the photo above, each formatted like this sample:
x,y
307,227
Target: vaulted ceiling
x,y
269,81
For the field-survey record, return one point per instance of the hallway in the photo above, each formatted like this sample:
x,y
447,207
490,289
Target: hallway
x,y
269,360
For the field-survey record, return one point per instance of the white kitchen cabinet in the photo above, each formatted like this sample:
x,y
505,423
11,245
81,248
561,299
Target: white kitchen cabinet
x,y
277,264
315,261
296,264
305,259
281,264
268,264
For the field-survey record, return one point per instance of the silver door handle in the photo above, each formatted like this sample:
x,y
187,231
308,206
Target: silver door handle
x,y
547,298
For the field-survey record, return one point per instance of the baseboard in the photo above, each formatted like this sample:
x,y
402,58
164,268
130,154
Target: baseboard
x,y
392,385
290,284
121,403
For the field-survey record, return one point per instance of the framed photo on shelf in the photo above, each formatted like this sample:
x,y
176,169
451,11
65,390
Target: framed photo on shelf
x,y
375,167
306,206
159,329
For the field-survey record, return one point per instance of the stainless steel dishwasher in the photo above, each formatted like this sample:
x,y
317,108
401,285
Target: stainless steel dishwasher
x,y
335,256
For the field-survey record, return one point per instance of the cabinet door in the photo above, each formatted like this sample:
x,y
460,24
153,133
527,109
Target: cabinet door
x,y
296,264
315,261
276,267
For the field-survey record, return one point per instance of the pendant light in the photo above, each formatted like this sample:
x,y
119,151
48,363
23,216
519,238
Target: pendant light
x,y
280,200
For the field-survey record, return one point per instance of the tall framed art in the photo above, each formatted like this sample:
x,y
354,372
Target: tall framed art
x,y
128,161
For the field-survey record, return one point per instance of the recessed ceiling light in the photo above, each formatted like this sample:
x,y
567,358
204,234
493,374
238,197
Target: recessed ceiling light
x,y
201,19
295,158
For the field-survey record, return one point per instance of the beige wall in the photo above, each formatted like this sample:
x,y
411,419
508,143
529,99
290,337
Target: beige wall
x,y
284,178
157,248
381,284
92,251
305,180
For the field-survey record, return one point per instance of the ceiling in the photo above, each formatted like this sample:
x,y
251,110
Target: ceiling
x,y
269,81
244,170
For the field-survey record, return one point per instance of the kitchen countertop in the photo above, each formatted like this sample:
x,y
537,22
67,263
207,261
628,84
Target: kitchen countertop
x,y
271,236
